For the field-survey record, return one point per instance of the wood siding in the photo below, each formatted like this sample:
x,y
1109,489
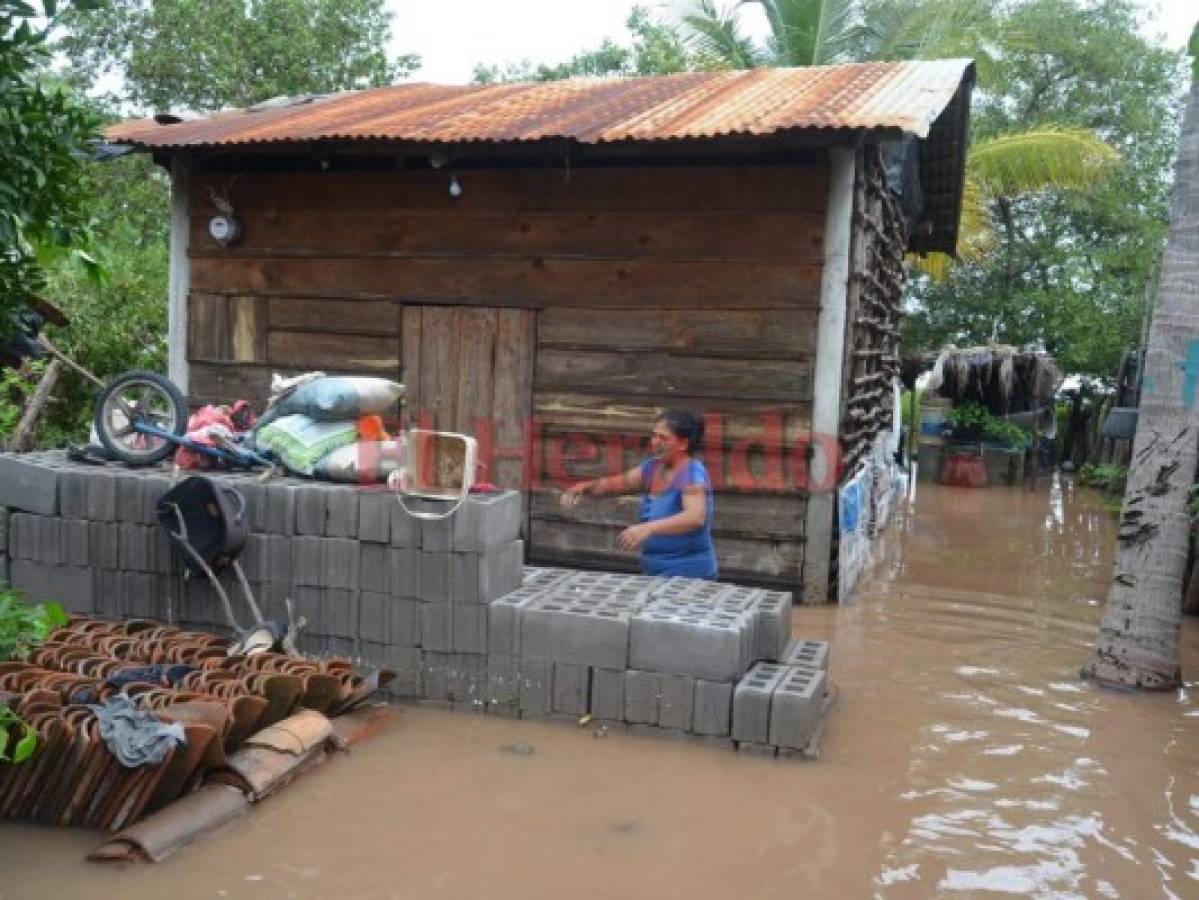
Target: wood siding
x,y
596,298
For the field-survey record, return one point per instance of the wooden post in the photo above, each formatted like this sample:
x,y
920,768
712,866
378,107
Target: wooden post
x,y
23,437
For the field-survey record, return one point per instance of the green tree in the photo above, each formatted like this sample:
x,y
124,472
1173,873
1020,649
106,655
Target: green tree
x,y
655,48
1068,268
43,132
205,55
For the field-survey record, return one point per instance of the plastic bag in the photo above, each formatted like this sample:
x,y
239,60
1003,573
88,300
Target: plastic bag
x,y
362,462
300,443
338,398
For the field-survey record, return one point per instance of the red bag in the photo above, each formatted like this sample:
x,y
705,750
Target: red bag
x,y
964,470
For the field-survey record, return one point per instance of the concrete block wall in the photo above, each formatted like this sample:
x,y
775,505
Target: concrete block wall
x,y
445,602
372,581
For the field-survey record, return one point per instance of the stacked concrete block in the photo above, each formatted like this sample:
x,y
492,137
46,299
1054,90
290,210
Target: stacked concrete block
x,y
807,654
777,708
691,638
751,703
795,708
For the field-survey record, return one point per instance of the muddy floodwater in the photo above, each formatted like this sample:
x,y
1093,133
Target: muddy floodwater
x,y
964,758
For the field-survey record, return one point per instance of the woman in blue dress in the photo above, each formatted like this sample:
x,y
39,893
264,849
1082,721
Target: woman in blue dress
x,y
674,531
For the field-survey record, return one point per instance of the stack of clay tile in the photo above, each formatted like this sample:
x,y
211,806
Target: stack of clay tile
x,y
219,700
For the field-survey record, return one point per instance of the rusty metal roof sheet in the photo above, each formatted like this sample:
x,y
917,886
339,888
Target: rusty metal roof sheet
x,y
903,97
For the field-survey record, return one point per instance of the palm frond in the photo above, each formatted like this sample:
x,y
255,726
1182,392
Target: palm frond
x,y
807,32
714,33
1040,158
934,29
976,237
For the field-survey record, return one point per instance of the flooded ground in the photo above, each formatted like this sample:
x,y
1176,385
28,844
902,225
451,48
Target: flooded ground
x,y
965,758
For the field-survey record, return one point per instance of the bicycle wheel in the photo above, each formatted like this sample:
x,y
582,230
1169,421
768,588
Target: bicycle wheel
x,y
139,397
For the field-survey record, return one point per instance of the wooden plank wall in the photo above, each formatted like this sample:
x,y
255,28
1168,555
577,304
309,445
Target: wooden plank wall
x,y
654,286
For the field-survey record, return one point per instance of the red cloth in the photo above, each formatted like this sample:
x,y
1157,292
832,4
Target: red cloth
x,y
208,425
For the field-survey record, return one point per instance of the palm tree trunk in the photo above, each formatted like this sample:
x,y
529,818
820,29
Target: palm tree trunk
x,y
1138,639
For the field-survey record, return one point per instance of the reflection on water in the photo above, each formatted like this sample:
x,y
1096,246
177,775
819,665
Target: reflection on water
x,y
964,758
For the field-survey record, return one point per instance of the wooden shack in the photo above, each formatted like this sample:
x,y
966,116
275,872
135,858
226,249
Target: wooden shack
x,y
549,265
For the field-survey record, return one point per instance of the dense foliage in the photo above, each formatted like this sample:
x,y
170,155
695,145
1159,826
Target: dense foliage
x,y
1070,269
43,132
207,54
172,54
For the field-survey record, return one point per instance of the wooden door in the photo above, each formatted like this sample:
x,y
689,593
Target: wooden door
x,y
470,369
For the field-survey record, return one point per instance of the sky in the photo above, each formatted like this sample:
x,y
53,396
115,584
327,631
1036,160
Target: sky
x,y
452,37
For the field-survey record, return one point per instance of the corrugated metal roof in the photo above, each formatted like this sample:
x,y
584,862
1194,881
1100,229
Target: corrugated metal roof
x,y
901,96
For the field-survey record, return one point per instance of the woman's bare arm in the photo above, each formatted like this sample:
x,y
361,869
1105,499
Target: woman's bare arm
x,y
624,483
692,518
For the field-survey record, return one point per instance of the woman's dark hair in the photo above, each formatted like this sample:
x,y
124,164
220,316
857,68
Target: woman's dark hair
x,y
685,424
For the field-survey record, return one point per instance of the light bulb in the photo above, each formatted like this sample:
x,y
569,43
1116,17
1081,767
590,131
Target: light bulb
x,y
455,187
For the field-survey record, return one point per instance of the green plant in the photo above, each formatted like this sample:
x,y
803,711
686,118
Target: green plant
x,y
1001,431
1107,477
25,625
25,746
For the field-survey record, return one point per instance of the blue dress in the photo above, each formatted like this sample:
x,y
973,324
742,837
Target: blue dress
x,y
691,555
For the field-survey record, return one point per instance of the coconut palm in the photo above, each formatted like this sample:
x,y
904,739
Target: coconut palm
x,y
1138,639
817,32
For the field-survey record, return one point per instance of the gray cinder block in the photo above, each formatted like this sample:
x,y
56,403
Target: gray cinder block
x,y
46,540
139,595
435,672
134,543
312,509
280,559
24,532
129,489
607,693
503,622
482,577
309,561
436,576
342,517
75,539
753,748
406,662
255,557
676,701
752,700
374,567
466,678
503,681
487,521
281,507
373,615
340,563
699,641
405,567
469,627
575,630
641,697
154,485
571,692
28,486
72,586
104,544
773,614
809,654
341,646
713,707
543,577
374,515
536,686
101,497
4,570
436,535
341,613
310,602
795,707
437,627
405,529
72,494
106,591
